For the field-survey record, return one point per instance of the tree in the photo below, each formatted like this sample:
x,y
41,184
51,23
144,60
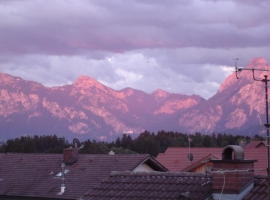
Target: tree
x,y
126,142
118,142
206,141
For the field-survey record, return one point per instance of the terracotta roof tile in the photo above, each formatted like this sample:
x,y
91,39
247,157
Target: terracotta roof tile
x,y
255,144
260,189
259,154
152,185
199,162
35,174
176,158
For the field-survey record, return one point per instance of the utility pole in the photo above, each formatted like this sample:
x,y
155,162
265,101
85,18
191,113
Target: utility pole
x,y
267,125
189,156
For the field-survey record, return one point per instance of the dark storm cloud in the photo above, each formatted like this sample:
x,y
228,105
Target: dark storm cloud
x,y
132,42
67,27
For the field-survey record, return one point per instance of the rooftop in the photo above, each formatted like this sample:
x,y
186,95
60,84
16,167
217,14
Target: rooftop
x,y
34,175
260,189
255,144
152,185
176,158
165,185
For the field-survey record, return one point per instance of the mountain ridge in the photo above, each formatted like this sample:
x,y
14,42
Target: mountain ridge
x,y
88,109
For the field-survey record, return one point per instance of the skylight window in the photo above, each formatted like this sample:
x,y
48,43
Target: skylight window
x,y
60,173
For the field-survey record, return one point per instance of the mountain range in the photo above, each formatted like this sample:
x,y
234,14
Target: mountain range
x,y
87,109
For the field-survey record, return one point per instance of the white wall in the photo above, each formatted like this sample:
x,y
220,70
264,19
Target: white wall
x,y
143,168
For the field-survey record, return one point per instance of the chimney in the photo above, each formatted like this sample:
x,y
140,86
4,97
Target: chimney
x,y
242,143
233,177
70,155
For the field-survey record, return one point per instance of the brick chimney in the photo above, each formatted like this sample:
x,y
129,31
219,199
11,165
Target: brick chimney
x,y
70,155
233,177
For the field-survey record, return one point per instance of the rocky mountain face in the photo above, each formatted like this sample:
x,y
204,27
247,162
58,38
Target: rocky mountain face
x,y
237,108
86,109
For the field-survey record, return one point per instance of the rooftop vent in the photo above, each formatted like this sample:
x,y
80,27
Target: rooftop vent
x,y
233,152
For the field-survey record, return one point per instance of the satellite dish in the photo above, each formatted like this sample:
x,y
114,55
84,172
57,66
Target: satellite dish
x,y
190,156
76,143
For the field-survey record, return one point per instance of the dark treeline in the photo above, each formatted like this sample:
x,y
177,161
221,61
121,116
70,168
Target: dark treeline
x,y
35,144
153,144
145,143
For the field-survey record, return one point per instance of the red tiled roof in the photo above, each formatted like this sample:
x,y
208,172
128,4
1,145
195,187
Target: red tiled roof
x,y
254,144
34,175
259,154
152,185
176,158
199,162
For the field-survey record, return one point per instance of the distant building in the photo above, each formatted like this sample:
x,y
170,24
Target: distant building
x,y
176,159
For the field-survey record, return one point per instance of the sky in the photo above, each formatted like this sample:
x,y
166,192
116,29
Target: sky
x,y
180,46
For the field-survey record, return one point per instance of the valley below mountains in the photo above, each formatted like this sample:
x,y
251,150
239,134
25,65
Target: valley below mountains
x,y
87,109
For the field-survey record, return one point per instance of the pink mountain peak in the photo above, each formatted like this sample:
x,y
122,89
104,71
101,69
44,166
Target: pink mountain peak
x,y
128,91
256,62
158,94
86,82
8,78
246,75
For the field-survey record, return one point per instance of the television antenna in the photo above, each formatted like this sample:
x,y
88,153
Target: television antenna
x,y
190,155
265,80
236,68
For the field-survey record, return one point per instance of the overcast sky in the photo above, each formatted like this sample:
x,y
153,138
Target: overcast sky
x,y
180,46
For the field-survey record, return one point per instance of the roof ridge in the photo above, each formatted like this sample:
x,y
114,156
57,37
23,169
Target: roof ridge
x,y
156,173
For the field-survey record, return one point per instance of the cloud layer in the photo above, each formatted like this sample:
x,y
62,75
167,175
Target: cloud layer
x,y
182,46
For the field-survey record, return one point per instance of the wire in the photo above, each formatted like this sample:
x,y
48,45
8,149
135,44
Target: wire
x,y
232,171
223,184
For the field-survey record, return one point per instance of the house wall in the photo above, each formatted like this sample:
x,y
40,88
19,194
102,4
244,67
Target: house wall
x,y
143,168
201,168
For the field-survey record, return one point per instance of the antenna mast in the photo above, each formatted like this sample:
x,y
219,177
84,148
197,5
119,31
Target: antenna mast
x,y
267,125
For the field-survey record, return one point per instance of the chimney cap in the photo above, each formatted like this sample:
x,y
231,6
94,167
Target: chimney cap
x,y
231,150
